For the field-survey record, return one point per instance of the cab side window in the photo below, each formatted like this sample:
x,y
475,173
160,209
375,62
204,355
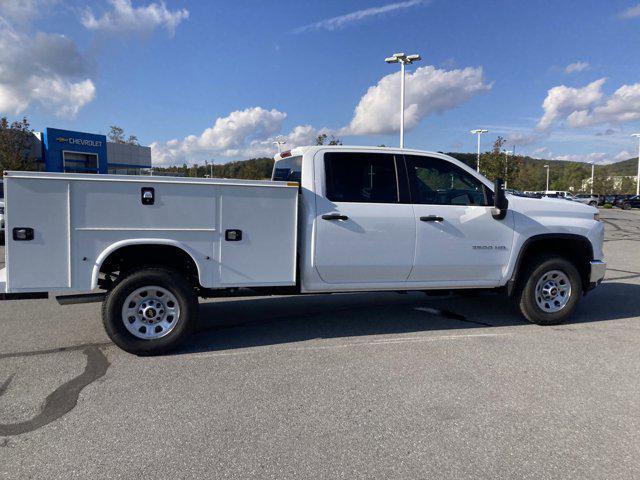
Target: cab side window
x,y
361,177
435,181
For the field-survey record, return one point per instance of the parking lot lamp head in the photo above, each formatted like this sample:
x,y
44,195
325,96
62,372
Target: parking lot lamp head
x,y
403,60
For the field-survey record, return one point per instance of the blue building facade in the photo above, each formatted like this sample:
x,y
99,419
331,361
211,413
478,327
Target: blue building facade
x,y
81,152
74,152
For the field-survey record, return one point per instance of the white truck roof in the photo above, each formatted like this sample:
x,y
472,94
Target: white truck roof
x,y
314,148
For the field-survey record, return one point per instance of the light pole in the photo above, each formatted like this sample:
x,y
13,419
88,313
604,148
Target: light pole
x,y
506,162
637,135
593,169
547,167
478,132
403,60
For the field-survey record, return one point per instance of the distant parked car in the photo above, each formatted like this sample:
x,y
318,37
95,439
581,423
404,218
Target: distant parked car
x,y
587,199
632,202
620,199
559,194
611,199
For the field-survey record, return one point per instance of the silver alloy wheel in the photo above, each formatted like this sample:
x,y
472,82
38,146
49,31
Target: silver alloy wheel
x,y
150,312
553,291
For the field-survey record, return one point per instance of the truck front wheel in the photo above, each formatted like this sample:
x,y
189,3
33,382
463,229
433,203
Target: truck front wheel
x,y
150,311
550,291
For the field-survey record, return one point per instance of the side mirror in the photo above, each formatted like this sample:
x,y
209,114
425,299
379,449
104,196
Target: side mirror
x,y
500,202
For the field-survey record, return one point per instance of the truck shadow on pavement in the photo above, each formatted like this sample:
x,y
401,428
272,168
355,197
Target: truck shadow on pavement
x,y
261,321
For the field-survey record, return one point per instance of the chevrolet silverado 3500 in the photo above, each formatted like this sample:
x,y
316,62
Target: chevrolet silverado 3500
x,y
333,219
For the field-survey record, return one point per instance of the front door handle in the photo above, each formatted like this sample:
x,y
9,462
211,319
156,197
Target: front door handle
x,y
334,216
431,218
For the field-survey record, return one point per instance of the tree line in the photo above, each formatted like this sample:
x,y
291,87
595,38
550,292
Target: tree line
x,y
524,173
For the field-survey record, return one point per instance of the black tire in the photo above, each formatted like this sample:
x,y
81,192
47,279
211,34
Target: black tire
x,y
176,284
593,204
532,273
626,206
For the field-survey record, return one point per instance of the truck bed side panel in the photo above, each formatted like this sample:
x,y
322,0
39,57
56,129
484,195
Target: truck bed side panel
x,y
78,220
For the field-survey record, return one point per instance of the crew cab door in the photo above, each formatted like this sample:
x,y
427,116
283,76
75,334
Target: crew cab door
x,y
457,239
364,234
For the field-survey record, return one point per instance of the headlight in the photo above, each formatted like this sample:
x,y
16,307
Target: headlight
x,y
596,216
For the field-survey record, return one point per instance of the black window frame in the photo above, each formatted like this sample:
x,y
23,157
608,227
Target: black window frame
x,y
402,186
414,196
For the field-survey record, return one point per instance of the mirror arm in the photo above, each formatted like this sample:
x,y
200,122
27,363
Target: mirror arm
x,y
498,213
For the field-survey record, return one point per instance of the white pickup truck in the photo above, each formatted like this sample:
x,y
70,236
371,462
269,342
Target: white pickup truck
x,y
333,219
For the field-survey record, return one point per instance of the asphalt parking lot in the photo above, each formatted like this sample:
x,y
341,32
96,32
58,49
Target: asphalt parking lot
x,y
341,386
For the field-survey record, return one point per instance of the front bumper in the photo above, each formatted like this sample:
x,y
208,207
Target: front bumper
x,y
596,275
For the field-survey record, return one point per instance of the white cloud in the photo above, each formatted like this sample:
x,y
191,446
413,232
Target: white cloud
x,y
23,11
124,17
246,132
587,106
342,21
595,157
623,155
69,97
251,132
562,101
541,152
428,90
621,107
43,68
631,12
576,67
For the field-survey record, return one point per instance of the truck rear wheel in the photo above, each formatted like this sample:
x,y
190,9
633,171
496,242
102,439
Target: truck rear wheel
x,y
150,311
550,291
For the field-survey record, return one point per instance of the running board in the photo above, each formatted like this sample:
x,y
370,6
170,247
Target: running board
x,y
24,296
80,298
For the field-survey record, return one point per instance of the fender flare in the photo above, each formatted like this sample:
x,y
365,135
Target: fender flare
x,y
139,241
511,283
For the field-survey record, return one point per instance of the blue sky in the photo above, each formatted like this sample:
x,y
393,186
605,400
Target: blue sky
x,y
203,80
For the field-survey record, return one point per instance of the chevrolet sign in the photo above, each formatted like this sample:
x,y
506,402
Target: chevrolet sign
x,y
80,141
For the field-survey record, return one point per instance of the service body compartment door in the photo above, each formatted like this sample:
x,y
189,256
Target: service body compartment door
x,y
258,232
363,233
42,263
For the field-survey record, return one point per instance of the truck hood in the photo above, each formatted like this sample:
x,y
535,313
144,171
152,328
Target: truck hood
x,y
550,207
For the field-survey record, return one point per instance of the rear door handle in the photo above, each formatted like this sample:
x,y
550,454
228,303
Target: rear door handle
x,y
334,216
431,218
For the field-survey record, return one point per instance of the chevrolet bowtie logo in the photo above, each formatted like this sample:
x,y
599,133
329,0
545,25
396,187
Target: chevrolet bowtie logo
x,y
61,139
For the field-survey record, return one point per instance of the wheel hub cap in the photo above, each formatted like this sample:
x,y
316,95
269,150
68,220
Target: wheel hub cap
x,y
150,312
553,291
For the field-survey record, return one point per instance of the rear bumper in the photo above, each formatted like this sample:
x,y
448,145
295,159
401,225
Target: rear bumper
x,y
598,270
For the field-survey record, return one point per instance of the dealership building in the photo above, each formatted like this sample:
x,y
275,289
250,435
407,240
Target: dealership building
x,y
80,152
